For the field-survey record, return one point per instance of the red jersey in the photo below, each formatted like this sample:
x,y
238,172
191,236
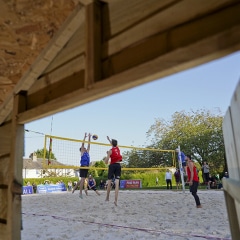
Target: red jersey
x,y
195,174
116,155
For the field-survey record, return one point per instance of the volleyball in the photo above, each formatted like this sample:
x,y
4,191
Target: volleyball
x,y
94,136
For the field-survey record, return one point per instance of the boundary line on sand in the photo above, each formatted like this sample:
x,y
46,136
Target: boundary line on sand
x,y
208,237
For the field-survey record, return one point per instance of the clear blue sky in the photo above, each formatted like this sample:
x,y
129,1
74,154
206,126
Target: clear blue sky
x,y
128,115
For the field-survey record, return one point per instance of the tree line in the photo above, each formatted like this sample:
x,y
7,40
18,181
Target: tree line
x,y
198,134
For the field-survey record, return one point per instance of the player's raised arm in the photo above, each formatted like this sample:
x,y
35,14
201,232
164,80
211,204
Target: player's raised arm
x,y
82,147
89,138
110,141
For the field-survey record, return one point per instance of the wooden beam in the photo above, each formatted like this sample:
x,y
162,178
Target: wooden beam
x,y
56,90
176,38
69,69
230,142
14,212
4,173
235,114
232,187
74,48
178,53
175,61
232,198
93,43
119,17
143,19
5,139
86,2
6,108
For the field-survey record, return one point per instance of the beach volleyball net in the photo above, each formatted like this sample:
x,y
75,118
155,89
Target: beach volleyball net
x,y
65,153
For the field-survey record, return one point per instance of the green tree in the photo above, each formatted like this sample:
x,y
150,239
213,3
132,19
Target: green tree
x,y
139,158
99,173
198,133
40,154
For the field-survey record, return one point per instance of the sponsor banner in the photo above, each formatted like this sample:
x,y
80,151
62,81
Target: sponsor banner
x,y
48,188
27,190
130,184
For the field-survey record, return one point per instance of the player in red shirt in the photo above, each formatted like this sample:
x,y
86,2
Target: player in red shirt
x,y
193,180
114,169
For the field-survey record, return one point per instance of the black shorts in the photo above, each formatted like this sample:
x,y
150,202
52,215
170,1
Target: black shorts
x,y
194,187
93,188
83,172
206,176
177,180
114,171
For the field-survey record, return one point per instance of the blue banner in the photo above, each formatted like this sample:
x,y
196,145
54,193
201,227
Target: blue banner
x,y
48,188
27,190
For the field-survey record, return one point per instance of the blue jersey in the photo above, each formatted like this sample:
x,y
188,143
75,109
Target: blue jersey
x,y
85,159
181,156
90,182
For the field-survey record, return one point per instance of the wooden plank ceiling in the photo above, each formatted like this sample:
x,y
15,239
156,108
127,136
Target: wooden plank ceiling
x,y
106,46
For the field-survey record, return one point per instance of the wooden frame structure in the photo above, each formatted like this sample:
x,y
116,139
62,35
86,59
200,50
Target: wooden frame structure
x,y
231,130
107,46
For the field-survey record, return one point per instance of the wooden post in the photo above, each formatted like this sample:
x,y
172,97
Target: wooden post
x,y
14,215
231,186
93,43
233,220
232,198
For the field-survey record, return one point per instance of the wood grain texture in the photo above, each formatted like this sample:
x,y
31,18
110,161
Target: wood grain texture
x,y
14,216
5,133
159,20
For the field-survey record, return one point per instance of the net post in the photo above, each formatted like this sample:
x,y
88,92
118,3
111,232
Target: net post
x,y
44,148
181,168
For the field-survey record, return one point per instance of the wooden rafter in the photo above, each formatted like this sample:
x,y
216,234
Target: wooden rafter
x,y
93,43
123,57
175,52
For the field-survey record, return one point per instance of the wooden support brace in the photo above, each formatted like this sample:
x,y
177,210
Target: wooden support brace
x,y
231,192
93,43
14,215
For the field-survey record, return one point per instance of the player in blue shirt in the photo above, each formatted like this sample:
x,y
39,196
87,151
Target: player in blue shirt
x,y
84,162
92,184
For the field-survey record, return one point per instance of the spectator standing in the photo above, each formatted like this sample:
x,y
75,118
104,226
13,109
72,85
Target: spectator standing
x,y
34,187
177,176
168,179
70,185
205,169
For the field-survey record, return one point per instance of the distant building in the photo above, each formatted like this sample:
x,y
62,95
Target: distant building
x,y
33,168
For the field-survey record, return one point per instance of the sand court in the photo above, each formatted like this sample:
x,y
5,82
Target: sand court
x,y
140,214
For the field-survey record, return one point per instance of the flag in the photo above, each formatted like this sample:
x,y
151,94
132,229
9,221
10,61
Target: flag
x,y
50,151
